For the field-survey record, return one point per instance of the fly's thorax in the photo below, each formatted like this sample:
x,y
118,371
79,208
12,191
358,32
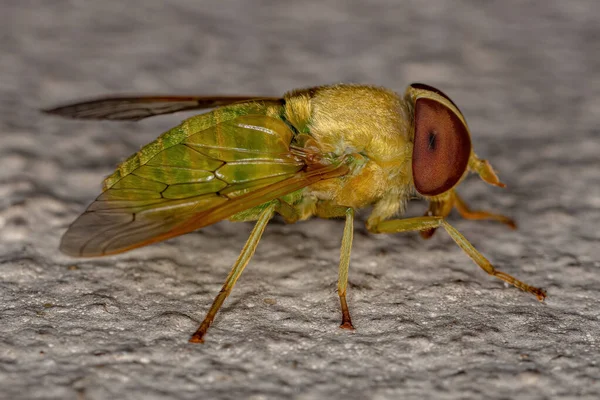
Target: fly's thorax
x,y
346,119
369,124
298,110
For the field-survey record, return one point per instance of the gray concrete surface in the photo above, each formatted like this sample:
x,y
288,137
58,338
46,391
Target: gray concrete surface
x,y
429,323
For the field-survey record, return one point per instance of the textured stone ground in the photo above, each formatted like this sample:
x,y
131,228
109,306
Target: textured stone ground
x,y
429,323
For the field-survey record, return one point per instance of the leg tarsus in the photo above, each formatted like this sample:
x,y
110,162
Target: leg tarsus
x,y
198,336
346,320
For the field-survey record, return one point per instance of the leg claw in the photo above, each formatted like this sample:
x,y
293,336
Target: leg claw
x,y
347,325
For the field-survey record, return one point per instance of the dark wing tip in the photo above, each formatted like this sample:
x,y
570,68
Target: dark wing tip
x,y
134,108
56,111
101,109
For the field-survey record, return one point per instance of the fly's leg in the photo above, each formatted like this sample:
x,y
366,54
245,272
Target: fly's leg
x,y
343,270
480,260
327,210
289,213
467,213
424,223
440,208
443,207
236,271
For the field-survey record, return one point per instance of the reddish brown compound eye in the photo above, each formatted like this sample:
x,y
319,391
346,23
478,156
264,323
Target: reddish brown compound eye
x,y
441,149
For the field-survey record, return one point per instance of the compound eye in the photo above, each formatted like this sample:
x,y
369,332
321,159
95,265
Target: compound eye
x,y
441,149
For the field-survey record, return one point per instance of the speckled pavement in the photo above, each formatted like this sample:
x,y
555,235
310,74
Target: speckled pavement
x,y
430,324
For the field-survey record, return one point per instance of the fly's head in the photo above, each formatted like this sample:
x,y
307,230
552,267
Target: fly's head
x,y
442,152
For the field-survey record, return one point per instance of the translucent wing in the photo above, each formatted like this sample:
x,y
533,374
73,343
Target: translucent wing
x,y
207,177
140,107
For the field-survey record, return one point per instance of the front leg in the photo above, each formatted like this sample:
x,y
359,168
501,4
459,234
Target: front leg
x,y
442,208
432,222
467,213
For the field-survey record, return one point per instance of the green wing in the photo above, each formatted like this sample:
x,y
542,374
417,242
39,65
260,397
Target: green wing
x,y
195,175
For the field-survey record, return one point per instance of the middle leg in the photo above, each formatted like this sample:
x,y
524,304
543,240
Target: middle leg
x,y
328,210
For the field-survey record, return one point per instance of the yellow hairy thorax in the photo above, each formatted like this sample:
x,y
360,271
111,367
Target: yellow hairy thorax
x,y
369,123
